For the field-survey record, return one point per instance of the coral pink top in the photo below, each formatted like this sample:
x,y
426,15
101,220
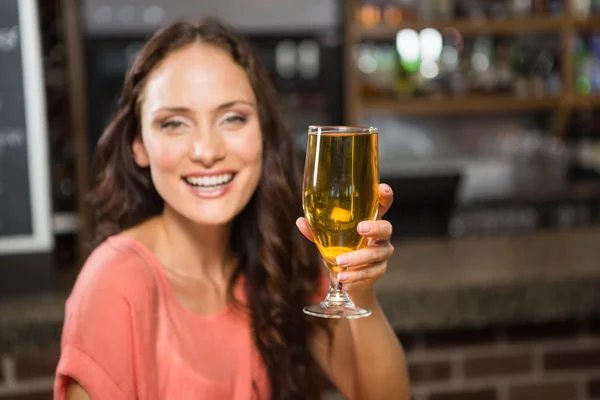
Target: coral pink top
x,y
126,336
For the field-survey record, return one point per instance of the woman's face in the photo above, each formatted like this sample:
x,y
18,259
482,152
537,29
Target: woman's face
x,y
201,134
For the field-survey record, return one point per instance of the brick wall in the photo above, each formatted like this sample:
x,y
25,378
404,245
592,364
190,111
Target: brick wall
x,y
558,361
28,376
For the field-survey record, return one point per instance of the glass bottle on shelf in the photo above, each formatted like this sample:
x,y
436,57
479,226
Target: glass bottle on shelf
x,y
520,87
595,63
553,80
405,84
521,8
470,9
581,8
393,14
498,10
369,14
367,65
444,10
582,67
426,11
505,75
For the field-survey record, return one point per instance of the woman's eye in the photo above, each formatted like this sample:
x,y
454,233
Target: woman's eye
x,y
171,125
235,119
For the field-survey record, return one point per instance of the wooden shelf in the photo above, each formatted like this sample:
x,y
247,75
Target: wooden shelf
x,y
464,105
473,27
582,102
589,24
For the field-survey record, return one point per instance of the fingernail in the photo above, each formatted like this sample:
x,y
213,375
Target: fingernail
x,y
386,188
298,222
364,227
343,276
342,260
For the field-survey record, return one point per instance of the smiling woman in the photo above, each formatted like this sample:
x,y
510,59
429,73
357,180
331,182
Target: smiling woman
x,y
199,277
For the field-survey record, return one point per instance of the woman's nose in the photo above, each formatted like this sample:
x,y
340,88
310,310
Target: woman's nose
x,y
207,149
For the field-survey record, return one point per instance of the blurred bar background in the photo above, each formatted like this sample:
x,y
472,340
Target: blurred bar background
x,y
489,121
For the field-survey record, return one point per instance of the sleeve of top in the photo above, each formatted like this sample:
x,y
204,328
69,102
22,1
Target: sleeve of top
x,y
97,341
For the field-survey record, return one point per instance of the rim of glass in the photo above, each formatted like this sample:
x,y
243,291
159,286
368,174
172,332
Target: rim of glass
x,y
341,129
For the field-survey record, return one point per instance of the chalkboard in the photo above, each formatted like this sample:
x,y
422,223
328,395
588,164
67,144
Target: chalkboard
x,y
25,201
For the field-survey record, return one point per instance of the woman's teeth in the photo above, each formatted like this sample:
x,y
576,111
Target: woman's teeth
x,y
208,181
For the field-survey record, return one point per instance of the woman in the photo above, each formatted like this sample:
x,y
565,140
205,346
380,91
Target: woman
x,y
196,287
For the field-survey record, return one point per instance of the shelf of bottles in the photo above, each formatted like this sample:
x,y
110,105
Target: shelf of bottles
x,y
484,55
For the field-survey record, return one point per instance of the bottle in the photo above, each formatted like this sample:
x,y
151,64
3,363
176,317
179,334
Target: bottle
x,y
393,14
444,10
521,8
581,8
519,66
369,14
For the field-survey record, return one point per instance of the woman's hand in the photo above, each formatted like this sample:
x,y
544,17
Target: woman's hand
x,y
368,264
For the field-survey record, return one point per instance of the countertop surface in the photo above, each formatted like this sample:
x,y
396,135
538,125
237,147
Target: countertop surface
x,y
433,284
430,284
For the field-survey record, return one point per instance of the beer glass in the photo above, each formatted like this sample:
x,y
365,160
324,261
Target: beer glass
x,y
340,189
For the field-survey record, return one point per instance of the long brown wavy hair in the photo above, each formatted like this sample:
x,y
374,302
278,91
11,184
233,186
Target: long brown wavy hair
x,y
281,267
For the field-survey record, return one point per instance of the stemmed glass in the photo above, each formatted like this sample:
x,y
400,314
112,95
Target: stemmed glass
x,y
340,189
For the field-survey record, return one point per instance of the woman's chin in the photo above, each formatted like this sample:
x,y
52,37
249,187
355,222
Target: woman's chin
x,y
218,216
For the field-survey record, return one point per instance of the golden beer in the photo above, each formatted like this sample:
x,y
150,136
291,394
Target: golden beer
x,y
341,181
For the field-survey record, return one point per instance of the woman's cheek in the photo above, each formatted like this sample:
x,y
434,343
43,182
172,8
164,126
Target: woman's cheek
x,y
168,154
248,146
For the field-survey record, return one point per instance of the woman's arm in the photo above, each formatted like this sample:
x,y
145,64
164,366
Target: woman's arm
x,y
76,392
367,360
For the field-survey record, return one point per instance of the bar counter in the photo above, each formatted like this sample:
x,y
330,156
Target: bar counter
x,y
430,284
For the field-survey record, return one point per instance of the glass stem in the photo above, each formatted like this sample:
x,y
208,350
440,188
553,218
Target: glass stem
x,y
337,290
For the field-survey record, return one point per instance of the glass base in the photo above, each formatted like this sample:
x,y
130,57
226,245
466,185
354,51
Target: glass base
x,y
336,310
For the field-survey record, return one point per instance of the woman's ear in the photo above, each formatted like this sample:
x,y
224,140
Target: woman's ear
x,y
139,152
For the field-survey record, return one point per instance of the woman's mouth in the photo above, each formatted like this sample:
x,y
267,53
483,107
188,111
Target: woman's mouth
x,y
209,183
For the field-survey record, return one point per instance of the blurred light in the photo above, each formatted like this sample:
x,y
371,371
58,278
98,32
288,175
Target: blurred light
x,y
153,15
480,62
407,45
455,38
103,14
431,44
393,15
429,69
369,15
367,63
449,56
126,14
309,59
285,58
9,38
583,85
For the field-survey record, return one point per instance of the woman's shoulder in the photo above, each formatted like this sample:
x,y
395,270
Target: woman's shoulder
x,y
119,266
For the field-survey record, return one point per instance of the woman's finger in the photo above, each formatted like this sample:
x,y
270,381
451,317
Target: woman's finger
x,y
367,255
386,198
372,272
303,227
380,230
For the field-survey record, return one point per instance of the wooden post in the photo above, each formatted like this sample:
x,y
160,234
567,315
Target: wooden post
x,y
566,103
78,117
